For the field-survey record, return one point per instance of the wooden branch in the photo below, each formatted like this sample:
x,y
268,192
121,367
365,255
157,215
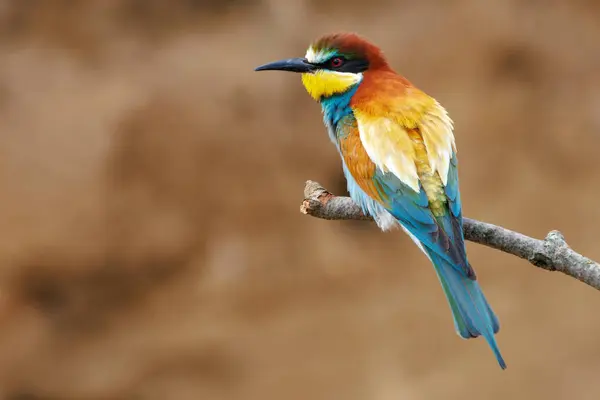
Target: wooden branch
x,y
552,253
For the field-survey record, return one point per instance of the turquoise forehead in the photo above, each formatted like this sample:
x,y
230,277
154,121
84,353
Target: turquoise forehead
x,y
319,55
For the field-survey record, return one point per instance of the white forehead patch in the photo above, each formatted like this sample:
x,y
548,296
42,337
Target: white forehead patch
x,y
319,56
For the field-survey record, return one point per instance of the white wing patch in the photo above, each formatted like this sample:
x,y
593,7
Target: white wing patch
x,y
389,147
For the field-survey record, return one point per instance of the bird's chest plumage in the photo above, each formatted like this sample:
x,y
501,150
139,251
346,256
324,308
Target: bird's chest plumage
x,y
410,151
335,109
343,131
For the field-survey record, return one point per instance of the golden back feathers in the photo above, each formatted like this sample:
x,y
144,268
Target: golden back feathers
x,y
385,124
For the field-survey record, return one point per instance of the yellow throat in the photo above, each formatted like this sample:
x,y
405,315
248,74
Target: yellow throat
x,y
326,83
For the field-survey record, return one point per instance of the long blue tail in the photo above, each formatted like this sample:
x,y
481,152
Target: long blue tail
x,y
472,314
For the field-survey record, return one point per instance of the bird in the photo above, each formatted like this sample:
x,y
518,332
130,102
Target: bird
x,y
399,158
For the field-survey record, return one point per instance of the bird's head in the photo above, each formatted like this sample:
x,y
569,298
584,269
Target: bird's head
x,y
333,64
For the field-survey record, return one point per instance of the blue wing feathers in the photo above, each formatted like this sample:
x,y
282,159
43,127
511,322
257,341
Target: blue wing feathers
x,y
443,240
451,188
441,237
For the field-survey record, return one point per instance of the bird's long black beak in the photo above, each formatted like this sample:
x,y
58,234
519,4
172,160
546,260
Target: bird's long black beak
x,y
291,64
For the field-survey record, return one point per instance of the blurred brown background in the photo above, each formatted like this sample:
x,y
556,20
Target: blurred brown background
x,y
150,241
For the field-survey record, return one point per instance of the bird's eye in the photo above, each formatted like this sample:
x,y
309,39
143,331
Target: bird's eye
x,y
337,62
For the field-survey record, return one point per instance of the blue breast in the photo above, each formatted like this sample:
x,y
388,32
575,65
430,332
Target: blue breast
x,y
335,108
336,111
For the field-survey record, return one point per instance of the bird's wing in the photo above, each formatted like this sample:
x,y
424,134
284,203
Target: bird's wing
x,y
405,159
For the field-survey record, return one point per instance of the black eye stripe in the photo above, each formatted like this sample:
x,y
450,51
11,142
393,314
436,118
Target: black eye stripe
x,y
354,65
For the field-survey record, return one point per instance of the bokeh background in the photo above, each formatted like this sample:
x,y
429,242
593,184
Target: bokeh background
x,y
151,245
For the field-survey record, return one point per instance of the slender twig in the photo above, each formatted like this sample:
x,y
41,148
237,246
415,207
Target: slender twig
x,y
552,253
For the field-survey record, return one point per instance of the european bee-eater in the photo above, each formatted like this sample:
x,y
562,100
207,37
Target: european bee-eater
x,y
399,158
